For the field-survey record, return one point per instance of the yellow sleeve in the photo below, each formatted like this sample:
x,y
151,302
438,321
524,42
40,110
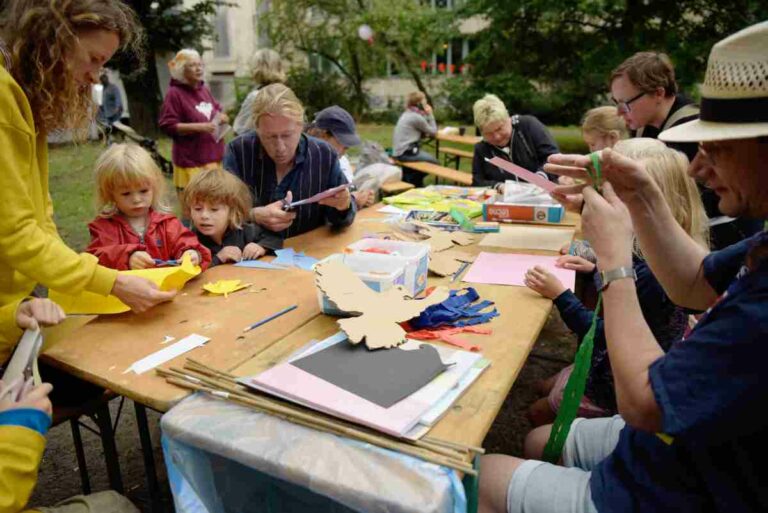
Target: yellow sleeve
x,y
21,450
10,333
25,244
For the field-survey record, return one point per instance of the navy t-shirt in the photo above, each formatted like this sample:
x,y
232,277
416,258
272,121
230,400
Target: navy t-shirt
x,y
711,389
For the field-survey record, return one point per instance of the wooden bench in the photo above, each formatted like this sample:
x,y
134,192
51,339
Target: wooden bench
x,y
454,154
389,188
438,171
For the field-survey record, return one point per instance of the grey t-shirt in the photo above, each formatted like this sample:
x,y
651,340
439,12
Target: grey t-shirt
x,y
410,128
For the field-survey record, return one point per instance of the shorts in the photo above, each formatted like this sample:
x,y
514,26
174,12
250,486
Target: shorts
x,y
183,175
538,487
587,408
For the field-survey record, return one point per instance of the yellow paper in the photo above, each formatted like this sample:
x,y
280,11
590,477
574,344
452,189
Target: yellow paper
x,y
166,278
225,286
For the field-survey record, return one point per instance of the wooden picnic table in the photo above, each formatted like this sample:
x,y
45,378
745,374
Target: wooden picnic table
x,y
470,140
453,153
100,351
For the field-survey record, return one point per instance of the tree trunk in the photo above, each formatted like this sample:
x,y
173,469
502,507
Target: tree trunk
x,y
144,98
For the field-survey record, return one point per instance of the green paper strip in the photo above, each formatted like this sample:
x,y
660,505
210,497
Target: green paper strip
x,y
574,389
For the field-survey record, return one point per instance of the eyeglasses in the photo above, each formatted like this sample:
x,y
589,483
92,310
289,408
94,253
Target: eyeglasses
x,y
624,107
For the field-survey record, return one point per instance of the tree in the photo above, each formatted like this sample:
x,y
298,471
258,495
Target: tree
x,y
553,57
169,27
403,30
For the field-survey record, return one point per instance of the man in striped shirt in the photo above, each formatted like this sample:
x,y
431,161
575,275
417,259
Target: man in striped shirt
x,y
279,163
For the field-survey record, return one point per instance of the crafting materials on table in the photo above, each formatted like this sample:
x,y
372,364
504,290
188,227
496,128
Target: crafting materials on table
x,y
271,317
458,273
160,262
258,264
168,353
379,312
529,237
318,197
463,307
166,278
287,257
414,256
357,385
510,268
374,268
220,385
225,287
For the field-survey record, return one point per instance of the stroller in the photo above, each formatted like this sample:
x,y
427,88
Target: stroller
x,y
145,142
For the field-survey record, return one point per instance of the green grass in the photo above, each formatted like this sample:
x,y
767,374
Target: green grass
x,y
71,176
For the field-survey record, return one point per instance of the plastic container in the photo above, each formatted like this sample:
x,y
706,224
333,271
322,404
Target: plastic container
x,y
379,272
414,255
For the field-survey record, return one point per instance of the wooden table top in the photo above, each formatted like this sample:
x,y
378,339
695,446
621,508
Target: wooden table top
x,y
102,350
458,139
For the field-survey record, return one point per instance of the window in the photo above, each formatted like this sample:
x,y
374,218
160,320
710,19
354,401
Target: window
x,y
221,45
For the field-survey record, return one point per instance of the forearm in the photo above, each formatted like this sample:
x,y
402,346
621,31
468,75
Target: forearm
x,y
632,349
674,257
191,128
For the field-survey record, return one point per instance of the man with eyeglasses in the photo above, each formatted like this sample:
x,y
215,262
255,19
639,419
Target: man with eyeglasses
x,y
646,95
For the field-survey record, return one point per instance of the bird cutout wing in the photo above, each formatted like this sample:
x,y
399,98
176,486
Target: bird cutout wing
x,y
342,286
440,240
380,312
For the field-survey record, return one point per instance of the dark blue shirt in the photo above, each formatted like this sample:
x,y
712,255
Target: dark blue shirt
x,y
711,389
666,320
316,169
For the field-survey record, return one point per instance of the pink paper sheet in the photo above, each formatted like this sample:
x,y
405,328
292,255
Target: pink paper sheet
x,y
299,386
523,173
321,195
509,269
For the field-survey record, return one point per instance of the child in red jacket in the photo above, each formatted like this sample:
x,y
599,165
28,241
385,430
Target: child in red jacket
x,y
134,229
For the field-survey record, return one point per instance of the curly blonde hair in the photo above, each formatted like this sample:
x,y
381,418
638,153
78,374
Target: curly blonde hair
x,y
219,187
489,109
127,165
40,35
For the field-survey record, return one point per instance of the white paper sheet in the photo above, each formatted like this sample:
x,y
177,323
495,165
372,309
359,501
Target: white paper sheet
x,y
169,353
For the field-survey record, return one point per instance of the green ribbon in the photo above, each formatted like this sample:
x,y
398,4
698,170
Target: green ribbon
x,y
574,389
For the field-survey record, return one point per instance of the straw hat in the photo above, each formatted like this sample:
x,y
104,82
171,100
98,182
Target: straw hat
x,y
734,97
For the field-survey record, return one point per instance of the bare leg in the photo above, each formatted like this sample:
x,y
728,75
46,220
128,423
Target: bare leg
x,y
495,473
533,447
540,413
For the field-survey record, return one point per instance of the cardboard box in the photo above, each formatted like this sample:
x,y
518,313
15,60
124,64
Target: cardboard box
x,y
518,213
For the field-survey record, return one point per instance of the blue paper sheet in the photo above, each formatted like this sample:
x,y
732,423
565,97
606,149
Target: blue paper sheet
x,y
258,264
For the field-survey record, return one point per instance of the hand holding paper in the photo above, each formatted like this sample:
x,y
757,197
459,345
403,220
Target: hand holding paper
x,y
273,217
337,197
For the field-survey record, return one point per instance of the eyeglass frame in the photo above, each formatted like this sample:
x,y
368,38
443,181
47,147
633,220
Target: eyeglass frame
x,y
626,104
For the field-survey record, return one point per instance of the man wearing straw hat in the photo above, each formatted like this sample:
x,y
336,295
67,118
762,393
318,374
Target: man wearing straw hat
x,y
690,436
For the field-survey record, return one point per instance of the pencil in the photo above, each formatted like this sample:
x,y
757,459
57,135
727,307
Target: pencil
x,y
271,317
461,270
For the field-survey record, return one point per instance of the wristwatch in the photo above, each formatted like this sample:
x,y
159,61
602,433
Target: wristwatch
x,y
604,278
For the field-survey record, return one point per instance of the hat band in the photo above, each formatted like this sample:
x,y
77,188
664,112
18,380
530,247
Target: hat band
x,y
741,110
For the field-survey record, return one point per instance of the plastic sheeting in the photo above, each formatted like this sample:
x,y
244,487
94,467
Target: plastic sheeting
x,y
227,458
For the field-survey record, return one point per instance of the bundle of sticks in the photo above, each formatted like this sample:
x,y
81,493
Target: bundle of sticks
x,y
222,385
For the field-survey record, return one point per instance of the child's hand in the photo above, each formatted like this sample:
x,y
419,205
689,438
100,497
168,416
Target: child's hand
x,y
194,256
577,263
252,251
36,312
141,260
544,282
19,395
230,254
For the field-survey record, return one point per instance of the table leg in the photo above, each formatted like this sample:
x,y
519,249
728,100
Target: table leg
x,y
149,458
107,435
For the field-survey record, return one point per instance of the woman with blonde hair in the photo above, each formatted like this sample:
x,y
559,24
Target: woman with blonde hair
x,y
522,140
50,55
192,117
667,168
267,68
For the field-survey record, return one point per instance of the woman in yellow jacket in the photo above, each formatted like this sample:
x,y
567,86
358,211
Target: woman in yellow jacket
x,y
25,416
50,54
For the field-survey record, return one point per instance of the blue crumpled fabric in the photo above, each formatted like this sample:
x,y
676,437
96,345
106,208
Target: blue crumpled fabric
x,y
458,310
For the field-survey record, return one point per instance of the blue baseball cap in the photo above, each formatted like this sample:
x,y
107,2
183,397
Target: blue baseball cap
x,y
339,123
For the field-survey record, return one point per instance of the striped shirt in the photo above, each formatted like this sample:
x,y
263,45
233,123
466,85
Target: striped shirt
x,y
315,169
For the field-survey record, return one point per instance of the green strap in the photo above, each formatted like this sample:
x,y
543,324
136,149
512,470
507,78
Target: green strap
x,y
574,389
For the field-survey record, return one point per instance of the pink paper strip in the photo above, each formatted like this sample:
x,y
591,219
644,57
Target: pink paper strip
x,y
321,195
509,269
523,173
